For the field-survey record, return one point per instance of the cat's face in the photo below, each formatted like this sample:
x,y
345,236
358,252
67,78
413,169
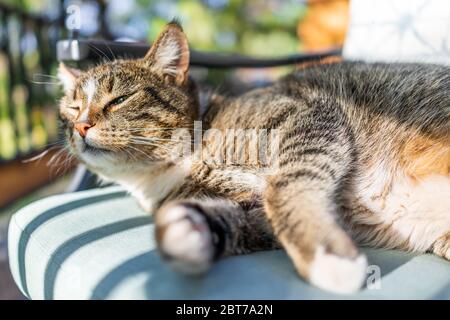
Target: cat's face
x,y
123,113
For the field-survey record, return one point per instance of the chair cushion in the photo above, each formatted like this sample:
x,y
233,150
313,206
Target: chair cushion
x,y
398,30
99,244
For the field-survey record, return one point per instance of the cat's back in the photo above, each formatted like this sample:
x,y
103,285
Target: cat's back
x,y
407,92
357,75
373,84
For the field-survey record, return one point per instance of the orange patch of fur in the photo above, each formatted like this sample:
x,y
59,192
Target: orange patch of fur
x,y
424,156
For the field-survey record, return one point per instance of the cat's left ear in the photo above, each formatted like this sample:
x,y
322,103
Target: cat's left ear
x,y
169,54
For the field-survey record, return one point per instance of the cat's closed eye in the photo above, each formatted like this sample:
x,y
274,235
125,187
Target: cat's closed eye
x,y
115,102
73,110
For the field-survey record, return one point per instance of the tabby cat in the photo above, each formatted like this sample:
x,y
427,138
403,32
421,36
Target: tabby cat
x,y
363,159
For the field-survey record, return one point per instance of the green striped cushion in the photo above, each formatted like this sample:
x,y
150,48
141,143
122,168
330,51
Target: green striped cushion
x,y
98,244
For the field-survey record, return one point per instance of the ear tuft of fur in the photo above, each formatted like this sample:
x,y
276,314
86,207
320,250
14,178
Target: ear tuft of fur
x,y
176,22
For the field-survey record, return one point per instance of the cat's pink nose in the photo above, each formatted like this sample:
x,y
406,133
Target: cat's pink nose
x,y
82,128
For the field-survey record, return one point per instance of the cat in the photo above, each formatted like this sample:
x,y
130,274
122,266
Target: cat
x,y
363,159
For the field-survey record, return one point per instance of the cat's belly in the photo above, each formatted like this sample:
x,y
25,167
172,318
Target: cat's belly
x,y
413,212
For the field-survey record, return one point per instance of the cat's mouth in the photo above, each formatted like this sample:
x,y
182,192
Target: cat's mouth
x,y
93,149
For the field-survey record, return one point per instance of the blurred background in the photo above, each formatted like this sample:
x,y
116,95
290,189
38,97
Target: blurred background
x,y
33,163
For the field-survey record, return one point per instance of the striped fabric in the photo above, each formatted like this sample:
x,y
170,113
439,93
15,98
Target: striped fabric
x,y
98,244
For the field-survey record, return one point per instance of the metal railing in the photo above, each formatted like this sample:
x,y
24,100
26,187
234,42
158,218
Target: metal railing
x,y
83,50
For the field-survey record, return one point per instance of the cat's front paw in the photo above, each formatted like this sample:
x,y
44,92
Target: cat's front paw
x,y
184,238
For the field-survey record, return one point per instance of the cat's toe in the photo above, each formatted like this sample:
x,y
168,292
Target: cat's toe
x,y
337,274
184,239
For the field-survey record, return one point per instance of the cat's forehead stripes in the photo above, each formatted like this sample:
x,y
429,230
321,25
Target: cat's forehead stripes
x,y
89,88
93,88
99,82
109,83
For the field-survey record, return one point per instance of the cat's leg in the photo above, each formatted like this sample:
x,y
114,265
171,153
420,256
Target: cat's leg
x,y
302,202
303,218
441,246
192,234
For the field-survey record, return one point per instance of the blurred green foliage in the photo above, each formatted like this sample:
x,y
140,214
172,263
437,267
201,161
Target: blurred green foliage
x,y
254,27
27,104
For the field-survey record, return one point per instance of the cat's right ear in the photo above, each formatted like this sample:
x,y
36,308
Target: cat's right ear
x,y
68,77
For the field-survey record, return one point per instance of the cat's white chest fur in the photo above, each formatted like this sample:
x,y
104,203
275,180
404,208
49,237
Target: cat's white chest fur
x,y
150,186
416,211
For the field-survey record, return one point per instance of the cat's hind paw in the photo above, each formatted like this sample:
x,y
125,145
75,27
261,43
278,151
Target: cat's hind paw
x,y
337,274
184,239
441,246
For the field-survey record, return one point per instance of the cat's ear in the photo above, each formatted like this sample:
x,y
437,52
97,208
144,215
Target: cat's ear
x,y
68,76
169,54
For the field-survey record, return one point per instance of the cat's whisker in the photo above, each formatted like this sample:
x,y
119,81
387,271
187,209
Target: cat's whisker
x,y
51,146
163,149
152,139
152,145
152,130
57,143
144,140
61,161
156,139
39,78
56,157
39,156
162,129
143,152
66,163
99,50
46,75
44,82
109,48
133,157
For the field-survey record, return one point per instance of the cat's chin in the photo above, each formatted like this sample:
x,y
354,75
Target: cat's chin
x,y
100,160
95,150
111,165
